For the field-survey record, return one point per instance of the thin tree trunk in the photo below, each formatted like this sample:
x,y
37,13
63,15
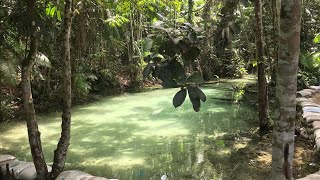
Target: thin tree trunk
x,y
205,61
226,12
1,97
27,64
132,52
190,11
206,13
262,82
287,68
276,27
61,152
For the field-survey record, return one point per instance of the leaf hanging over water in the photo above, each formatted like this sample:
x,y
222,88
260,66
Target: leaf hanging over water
x,y
179,98
201,95
194,97
317,38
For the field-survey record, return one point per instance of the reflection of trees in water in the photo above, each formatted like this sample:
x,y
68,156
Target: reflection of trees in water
x,y
146,132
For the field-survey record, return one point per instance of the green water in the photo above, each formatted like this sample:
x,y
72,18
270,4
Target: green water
x,y
141,135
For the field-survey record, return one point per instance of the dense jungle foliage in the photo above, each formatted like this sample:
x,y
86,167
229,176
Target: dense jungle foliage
x,y
117,45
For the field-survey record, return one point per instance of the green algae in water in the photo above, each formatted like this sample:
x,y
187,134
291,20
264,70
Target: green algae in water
x,y
141,135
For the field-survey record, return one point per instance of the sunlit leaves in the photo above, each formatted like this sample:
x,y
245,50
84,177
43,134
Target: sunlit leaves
x,y
317,38
116,20
59,15
43,60
52,11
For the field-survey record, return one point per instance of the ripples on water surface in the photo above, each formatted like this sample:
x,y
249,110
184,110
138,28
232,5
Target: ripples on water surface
x,y
142,136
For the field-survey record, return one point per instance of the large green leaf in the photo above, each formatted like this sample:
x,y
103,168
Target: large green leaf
x,y
179,98
147,44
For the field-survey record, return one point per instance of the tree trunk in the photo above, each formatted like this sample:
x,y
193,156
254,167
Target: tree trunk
x,y
1,97
287,68
190,11
205,55
262,82
221,41
27,64
276,27
61,152
206,13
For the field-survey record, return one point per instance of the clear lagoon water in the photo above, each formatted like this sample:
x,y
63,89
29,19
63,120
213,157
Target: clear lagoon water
x,y
141,135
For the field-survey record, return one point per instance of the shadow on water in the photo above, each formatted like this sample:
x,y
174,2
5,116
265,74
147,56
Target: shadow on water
x,y
142,136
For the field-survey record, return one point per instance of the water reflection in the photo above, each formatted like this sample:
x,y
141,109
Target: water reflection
x,y
142,136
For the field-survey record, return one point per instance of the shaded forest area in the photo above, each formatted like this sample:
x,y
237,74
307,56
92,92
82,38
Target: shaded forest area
x,y
113,41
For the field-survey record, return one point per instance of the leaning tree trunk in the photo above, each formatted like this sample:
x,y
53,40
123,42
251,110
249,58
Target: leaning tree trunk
x,y
27,64
61,152
289,49
262,82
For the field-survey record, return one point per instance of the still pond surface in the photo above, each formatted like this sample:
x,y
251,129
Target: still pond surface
x,y
142,136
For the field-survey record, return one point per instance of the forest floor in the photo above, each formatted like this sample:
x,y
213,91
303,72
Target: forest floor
x,y
251,156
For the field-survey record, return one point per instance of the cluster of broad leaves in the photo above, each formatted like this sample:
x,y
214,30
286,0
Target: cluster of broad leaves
x,y
170,71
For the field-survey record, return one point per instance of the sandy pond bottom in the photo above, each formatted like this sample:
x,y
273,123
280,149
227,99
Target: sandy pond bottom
x,y
142,136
